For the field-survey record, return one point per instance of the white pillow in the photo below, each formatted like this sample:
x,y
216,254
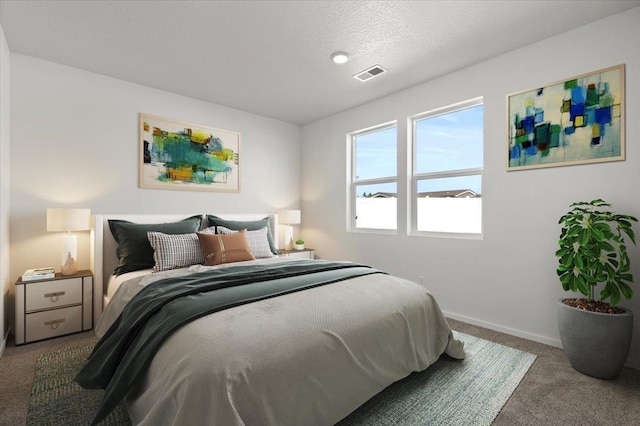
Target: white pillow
x,y
257,240
171,251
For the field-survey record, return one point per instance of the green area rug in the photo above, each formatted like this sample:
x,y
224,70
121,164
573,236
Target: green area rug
x,y
57,400
450,392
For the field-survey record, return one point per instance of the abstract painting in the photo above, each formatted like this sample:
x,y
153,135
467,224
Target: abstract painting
x,y
574,121
184,156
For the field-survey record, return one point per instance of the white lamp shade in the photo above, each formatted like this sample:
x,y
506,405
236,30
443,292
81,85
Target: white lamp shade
x,y
289,217
66,220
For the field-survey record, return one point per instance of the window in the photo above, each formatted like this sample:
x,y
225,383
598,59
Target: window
x,y
374,178
447,170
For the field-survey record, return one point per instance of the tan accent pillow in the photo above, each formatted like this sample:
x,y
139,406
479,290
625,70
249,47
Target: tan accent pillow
x,y
230,248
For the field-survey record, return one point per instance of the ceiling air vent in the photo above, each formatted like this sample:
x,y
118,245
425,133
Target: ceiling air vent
x,y
369,73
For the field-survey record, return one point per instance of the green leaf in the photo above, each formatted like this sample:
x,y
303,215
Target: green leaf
x,y
627,277
624,256
582,285
585,235
626,290
572,283
573,231
605,293
631,234
615,295
606,246
566,281
609,270
577,260
597,233
622,220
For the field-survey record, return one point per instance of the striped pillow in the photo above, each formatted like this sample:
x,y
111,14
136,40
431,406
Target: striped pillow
x,y
171,251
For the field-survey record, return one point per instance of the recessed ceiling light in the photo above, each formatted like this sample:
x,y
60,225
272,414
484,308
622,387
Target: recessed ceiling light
x,y
340,57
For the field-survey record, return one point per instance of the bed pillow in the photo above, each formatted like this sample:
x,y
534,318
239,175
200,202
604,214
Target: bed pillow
x,y
134,250
258,241
220,248
175,251
249,225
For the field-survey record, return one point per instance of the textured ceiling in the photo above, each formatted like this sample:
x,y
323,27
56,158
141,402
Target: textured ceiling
x,y
272,57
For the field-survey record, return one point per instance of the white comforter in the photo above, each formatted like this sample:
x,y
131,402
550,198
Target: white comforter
x,y
310,357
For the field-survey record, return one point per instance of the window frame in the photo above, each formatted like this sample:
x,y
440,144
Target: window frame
x,y
353,183
414,177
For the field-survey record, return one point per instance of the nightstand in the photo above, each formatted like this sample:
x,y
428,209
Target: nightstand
x,y
298,254
53,307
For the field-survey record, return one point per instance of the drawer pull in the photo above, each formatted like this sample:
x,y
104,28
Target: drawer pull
x,y
54,296
54,323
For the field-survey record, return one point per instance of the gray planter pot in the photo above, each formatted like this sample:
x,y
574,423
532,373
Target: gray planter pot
x,y
596,344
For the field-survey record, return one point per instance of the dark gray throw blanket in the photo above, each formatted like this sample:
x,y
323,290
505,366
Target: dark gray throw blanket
x,y
121,357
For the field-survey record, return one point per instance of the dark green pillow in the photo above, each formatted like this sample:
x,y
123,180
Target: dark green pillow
x,y
249,225
134,250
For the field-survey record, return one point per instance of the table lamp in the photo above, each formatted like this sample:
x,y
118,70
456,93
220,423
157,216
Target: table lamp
x,y
288,218
67,220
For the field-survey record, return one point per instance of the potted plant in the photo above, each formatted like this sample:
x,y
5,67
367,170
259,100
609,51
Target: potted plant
x,y
595,334
299,244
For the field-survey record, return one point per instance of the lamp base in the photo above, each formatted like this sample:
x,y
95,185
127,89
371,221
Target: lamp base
x,y
69,255
287,237
70,267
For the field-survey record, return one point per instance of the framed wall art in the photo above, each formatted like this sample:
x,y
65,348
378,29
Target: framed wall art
x,y
578,120
185,156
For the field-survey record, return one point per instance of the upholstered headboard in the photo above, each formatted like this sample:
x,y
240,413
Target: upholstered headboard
x,y
103,259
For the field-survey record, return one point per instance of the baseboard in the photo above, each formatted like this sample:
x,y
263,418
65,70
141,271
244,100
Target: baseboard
x,y
4,342
506,330
631,363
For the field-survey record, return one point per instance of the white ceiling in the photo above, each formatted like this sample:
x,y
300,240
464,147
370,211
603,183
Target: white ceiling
x,y
272,57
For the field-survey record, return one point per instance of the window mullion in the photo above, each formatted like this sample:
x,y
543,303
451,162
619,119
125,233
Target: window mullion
x,y
449,173
374,181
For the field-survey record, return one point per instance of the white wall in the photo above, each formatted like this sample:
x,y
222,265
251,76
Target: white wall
x,y
507,280
75,143
5,282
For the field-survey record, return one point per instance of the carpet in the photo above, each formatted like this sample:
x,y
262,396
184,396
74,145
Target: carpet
x,y
450,392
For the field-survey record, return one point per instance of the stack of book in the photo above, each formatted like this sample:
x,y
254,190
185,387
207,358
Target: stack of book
x,y
38,274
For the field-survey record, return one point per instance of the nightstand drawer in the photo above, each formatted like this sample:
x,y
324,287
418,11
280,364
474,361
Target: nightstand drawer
x,y
51,294
56,322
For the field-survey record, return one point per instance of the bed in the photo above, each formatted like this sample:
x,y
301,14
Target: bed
x,y
309,356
